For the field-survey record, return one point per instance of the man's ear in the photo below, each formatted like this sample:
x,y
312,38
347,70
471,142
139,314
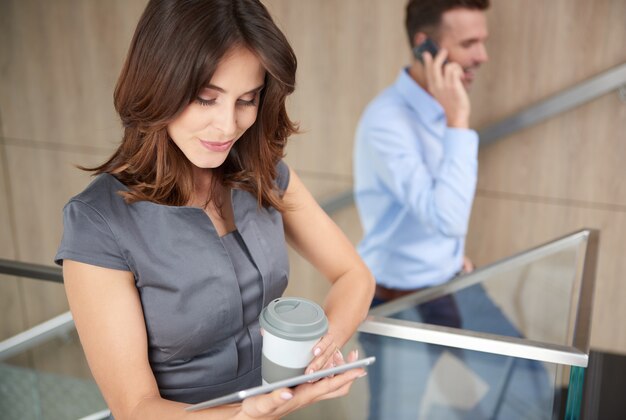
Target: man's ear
x,y
418,38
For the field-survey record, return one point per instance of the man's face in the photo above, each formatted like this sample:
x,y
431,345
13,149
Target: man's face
x,y
463,33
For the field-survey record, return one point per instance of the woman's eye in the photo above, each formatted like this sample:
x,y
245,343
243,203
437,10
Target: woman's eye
x,y
241,102
205,102
249,100
245,102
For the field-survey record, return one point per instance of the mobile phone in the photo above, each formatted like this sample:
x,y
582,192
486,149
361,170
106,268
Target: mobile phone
x,y
286,383
428,45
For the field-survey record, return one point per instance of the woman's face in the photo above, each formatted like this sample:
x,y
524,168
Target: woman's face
x,y
209,127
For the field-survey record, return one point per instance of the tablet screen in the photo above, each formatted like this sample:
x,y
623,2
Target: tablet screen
x,y
296,380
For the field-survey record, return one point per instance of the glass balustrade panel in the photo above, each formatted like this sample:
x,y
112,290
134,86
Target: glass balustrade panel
x,y
533,298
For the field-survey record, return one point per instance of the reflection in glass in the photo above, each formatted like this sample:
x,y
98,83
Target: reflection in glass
x,y
438,382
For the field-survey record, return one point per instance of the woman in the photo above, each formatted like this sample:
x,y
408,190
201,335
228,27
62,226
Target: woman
x,y
172,251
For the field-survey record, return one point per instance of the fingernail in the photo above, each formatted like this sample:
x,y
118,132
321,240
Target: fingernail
x,y
362,375
286,396
309,371
356,353
317,351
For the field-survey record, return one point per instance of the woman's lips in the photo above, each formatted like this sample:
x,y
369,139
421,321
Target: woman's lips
x,y
217,146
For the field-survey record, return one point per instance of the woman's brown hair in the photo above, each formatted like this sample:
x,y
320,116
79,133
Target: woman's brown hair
x,y
175,51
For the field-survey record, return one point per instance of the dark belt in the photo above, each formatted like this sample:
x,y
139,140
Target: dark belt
x,y
383,293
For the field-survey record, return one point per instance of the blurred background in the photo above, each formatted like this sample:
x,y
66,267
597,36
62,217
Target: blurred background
x,y
59,61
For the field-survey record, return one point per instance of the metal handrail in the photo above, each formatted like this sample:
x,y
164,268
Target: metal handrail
x,y
30,270
605,82
577,95
59,325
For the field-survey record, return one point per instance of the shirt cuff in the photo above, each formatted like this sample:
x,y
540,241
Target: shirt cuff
x,y
461,142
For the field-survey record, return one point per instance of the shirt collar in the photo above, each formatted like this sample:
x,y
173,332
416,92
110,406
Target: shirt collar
x,y
418,99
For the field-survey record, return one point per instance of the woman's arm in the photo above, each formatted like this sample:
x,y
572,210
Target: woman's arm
x,y
313,234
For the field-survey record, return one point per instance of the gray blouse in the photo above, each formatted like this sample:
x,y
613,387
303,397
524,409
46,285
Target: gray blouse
x,y
201,293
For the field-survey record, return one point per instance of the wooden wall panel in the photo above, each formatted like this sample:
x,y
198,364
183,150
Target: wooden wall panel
x,y
539,48
63,60
347,51
576,157
42,181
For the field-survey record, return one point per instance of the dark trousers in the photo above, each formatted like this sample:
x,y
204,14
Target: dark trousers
x,y
442,311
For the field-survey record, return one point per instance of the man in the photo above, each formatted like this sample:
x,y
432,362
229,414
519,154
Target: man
x,y
415,156
415,168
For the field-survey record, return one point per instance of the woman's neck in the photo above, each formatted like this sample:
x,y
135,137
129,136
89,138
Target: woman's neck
x,y
202,186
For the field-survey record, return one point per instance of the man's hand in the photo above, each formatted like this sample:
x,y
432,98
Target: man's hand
x,y
468,265
445,85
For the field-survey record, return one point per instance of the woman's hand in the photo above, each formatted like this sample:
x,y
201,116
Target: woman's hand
x,y
284,401
326,354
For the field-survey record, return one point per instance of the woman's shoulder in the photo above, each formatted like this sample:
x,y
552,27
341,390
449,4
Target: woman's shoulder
x,y
93,222
102,194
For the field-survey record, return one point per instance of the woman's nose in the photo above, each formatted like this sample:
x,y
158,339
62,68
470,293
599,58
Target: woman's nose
x,y
226,121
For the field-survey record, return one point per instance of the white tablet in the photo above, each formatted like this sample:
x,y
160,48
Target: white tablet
x,y
285,383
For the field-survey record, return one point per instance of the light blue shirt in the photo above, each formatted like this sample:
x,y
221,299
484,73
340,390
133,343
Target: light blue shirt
x,y
415,180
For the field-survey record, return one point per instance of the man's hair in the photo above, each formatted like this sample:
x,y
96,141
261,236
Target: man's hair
x,y
425,15
176,48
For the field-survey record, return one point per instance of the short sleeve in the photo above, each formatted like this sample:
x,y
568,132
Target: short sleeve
x,y
282,179
87,238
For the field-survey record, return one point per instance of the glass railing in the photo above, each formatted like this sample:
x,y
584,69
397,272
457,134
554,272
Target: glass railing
x,y
516,347
519,352
44,374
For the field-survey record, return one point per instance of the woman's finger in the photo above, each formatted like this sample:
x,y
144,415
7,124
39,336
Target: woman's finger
x,y
267,404
323,353
322,345
338,358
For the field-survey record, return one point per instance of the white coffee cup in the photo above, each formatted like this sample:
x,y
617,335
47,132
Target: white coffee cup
x,y
292,328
